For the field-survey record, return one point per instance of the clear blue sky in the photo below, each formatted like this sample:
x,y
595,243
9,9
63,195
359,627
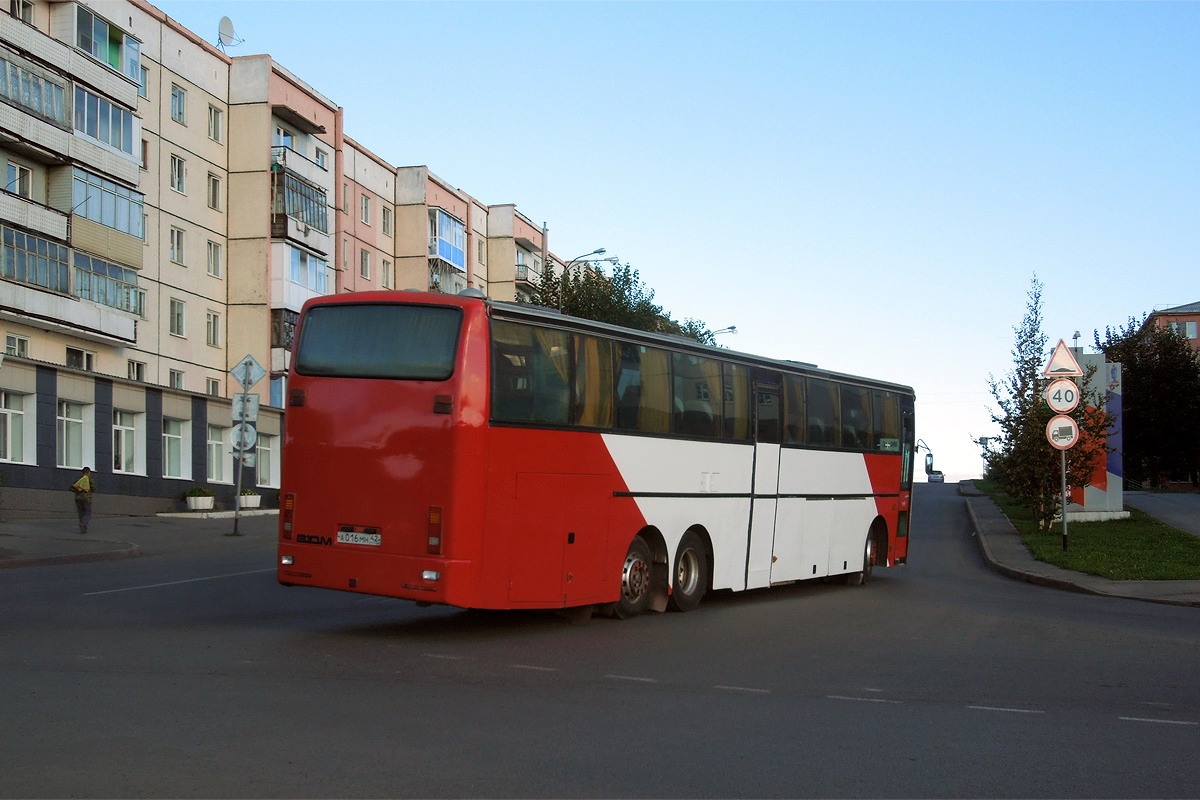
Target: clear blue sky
x,y
867,186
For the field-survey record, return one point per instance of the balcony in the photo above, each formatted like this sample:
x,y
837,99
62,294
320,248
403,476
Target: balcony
x,y
526,274
33,216
285,158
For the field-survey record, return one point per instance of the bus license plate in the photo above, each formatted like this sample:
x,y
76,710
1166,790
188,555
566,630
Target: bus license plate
x,y
357,537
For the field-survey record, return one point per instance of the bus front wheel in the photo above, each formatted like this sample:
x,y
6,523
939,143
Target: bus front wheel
x,y
689,581
636,584
860,578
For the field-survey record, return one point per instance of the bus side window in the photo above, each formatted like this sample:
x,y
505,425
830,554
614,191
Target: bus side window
x,y
593,404
697,384
530,367
793,406
643,390
887,421
821,421
736,392
856,417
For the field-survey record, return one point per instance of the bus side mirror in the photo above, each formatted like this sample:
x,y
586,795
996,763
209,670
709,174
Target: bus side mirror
x,y
928,463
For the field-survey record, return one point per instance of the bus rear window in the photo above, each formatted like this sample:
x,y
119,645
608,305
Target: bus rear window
x,y
379,341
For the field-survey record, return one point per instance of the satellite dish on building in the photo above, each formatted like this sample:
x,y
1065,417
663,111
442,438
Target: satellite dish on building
x,y
226,35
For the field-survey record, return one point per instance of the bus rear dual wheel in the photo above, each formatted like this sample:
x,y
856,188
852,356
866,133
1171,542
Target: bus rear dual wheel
x,y
689,579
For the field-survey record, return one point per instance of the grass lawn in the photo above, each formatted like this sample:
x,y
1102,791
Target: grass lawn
x,y
1136,549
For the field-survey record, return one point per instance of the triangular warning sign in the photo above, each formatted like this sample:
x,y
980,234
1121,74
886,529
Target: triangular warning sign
x,y
1062,363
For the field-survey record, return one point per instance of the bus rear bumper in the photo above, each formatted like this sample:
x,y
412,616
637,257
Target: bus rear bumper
x,y
424,579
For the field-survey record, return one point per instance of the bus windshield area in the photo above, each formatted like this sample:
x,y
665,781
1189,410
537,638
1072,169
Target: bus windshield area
x,y
396,341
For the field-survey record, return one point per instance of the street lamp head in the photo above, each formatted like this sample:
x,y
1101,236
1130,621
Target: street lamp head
x,y
730,329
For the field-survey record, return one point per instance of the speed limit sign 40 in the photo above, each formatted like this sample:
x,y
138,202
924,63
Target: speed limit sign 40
x,y
1062,395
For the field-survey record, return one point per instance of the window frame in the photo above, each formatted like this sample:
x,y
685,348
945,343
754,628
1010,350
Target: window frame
x,y
179,104
177,317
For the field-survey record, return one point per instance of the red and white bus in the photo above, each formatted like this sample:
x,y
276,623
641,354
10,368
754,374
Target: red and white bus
x,y
455,450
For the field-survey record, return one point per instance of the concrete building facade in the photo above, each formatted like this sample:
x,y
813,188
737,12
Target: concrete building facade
x,y
167,211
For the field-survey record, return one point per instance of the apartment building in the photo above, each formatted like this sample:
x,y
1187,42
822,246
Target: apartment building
x,y
167,211
1183,320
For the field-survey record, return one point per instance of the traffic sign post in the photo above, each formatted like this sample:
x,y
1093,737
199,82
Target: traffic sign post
x,y
1062,395
246,372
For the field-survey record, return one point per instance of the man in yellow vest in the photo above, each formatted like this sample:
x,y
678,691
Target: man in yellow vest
x,y
83,489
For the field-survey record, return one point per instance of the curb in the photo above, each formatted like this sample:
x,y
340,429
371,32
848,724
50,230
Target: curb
x,y
130,549
1048,580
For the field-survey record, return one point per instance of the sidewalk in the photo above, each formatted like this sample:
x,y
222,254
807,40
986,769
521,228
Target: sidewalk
x,y
1003,550
26,543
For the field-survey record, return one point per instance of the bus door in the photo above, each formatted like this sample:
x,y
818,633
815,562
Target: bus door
x,y
765,490
908,455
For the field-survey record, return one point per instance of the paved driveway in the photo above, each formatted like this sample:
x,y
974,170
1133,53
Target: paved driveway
x,y
1178,510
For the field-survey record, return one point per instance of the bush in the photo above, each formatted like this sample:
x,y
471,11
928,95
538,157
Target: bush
x,y
248,493
199,491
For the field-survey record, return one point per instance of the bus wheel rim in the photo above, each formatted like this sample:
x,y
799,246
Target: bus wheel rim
x,y
635,577
688,574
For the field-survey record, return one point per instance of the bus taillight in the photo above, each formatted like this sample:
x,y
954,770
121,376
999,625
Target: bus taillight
x,y
434,528
288,510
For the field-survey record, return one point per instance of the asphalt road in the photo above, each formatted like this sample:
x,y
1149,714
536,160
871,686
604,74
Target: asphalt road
x,y
188,672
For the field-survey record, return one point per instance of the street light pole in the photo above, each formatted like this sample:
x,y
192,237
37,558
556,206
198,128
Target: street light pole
x,y
599,251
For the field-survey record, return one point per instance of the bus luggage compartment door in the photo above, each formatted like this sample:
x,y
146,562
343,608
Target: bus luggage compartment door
x,y
559,539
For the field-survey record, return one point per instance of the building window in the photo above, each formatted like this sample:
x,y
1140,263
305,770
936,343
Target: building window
x,y
216,453
15,345
283,138
175,378
12,427
387,276
308,271
108,284
266,454
212,329
1185,329
216,119
107,43
214,259
23,10
212,387
482,259
20,180
365,212
145,154
321,156
36,261
172,445
135,370
178,174
364,264
179,104
108,203
97,118
176,317
143,82
124,441
81,359
176,247
69,435
386,221
214,192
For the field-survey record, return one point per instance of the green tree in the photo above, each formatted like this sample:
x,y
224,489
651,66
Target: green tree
x,y
1024,464
1160,401
620,299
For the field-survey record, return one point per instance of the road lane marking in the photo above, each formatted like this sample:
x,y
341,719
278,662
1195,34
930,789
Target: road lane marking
x,y
742,689
177,583
443,657
862,699
632,678
1159,721
532,667
1008,710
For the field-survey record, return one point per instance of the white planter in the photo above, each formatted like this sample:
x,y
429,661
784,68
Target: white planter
x,y
249,500
200,503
